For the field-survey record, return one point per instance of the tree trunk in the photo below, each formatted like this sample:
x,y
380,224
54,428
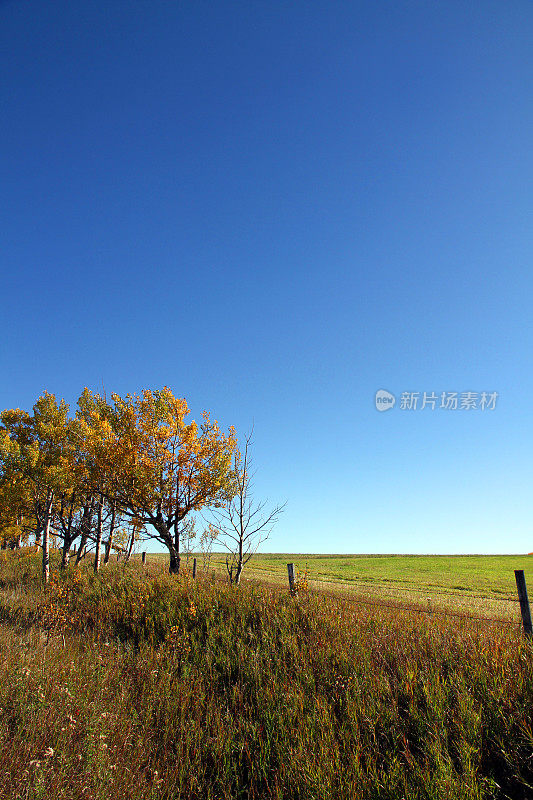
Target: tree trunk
x,y
174,550
65,557
170,544
98,537
85,529
130,543
109,542
174,565
240,558
108,546
46,538
81,549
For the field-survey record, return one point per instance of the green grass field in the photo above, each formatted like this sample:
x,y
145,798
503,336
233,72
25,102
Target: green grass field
x,y
475,584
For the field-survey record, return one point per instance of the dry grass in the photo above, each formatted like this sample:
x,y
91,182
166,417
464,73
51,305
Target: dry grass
x,y
136,686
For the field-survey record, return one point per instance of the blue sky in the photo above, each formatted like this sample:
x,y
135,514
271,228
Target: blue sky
x,y
277,209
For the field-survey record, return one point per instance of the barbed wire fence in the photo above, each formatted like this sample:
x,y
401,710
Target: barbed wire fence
x,y
430,609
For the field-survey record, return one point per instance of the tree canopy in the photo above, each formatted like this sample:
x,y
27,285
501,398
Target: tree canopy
x,y
136,457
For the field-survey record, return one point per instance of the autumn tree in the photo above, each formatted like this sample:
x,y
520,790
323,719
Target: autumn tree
x,y
114,521
93,425
74,517
36,450
16,497
17,520
155,466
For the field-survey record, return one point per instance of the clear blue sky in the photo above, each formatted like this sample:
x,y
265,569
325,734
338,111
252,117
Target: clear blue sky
x,y
278,208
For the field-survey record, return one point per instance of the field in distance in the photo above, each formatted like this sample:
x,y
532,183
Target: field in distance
x,y
474,584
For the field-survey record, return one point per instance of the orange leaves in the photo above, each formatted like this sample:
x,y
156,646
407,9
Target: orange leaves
x,y
141,453
39,448
154,460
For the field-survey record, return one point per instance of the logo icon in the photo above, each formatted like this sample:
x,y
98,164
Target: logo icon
x,y
384,400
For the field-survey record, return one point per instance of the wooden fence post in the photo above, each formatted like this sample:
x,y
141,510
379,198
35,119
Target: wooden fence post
x,y
144,557
524,602
292,579
194,568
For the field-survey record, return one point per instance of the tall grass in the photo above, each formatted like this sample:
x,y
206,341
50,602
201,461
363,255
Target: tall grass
x,y
125,685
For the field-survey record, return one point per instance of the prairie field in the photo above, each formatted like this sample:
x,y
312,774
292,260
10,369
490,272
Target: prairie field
x,y
136,684
472,584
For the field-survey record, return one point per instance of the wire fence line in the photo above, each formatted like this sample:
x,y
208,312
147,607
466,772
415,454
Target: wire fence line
x,y
418,608
436,590
315,584
433,611
390,585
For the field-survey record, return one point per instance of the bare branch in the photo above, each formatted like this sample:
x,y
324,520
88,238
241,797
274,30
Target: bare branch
x,y
243,523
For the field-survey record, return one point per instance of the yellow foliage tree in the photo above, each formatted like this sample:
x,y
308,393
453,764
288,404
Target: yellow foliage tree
x,y
37,451
144,456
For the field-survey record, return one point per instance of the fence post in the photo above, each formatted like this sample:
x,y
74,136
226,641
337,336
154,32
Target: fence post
x,y
292,579
524,602
143,556
194,568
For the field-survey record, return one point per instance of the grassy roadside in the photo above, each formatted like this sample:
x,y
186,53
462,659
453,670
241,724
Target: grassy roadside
x,y
136,686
